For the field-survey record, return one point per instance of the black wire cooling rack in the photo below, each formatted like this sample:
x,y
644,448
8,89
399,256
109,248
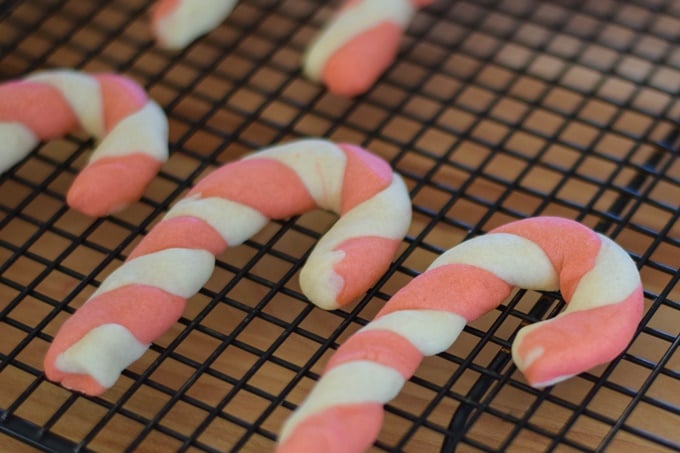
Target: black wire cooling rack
x,y
494,111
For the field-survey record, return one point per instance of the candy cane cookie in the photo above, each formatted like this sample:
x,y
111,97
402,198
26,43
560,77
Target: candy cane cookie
x,y
133,131
140,300
176,23
344,411
359,43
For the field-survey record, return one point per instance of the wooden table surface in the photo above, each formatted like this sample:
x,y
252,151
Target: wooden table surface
x,y
493,112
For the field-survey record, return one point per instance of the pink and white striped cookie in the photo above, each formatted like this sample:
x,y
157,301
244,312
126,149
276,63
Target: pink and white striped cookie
x,y
344,411
133,129
359,43
147,294
176,23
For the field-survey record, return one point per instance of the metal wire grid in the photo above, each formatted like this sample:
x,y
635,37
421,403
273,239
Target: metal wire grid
x,y
494,111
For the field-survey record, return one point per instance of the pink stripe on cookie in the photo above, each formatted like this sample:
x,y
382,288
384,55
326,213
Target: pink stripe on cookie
x,y
380,346
462,289
121,97
112,183
364,262
185,232
572,251
265,185
562,347
164,8
83,382
365,175
39,107
354,67
338,429
145,311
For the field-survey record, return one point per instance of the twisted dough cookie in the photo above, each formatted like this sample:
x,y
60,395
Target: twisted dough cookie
x,y
359,43
344,411
147,294
132,127
176,23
